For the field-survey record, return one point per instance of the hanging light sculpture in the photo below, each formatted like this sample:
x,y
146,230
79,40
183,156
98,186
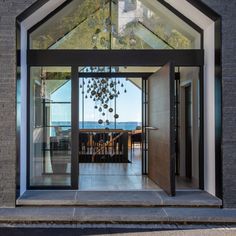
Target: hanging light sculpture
x,y
103,91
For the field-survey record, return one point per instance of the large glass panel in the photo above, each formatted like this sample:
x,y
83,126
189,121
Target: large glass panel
x,y
18,127
105,101
109,116
119,95
115,24
50,126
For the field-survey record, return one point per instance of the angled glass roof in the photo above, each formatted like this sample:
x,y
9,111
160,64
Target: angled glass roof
x,y
115,24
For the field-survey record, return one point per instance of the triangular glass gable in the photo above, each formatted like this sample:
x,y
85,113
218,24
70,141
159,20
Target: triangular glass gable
x,y
114,24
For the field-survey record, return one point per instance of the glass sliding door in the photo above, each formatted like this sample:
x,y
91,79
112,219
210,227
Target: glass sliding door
x,y
50,127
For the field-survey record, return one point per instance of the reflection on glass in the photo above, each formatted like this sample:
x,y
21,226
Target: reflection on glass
x,y
188,126
115,24
50,126
18,126
118,69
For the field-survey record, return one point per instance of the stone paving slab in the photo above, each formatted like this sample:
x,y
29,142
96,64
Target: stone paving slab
x,y
118,198
48,197
190,198
119,215
201,214
35,214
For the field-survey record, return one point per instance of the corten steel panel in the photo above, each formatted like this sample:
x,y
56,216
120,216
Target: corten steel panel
x,y
161,140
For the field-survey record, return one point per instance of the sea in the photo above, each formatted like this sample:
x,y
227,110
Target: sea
x,y
131,125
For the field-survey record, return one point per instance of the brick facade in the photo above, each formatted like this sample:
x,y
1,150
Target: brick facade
x,y
227,10
9,9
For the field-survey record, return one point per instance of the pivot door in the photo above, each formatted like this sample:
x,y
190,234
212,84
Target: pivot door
x,y
161,131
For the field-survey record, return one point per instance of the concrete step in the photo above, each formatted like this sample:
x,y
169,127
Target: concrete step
x,y
118,199
116,215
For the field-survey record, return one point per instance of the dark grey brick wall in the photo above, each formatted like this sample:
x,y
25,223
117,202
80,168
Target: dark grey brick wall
x,y
227,9
9,9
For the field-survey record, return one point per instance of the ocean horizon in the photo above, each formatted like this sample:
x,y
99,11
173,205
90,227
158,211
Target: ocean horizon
x,y
65,125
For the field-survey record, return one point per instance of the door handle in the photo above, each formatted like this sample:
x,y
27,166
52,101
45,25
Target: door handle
x,y
151,128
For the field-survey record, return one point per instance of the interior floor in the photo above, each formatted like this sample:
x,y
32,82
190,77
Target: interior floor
x,y
113,176
122,176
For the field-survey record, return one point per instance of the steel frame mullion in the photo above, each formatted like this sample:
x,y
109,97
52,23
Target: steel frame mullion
x,y
74,133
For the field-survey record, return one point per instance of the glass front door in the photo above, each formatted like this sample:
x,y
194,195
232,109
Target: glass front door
x,y
101,115
136,37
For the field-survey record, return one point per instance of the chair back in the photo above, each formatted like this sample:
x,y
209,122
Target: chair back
x,y
136,137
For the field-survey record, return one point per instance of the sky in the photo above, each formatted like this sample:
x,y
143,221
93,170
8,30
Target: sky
x,y
129,105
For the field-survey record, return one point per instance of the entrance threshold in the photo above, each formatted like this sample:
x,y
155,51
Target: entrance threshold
x,y
148,198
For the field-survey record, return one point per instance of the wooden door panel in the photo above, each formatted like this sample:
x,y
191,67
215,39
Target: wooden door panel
x,y
161,151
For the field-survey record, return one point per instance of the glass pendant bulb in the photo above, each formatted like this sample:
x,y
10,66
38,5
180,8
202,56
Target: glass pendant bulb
x,y
100,121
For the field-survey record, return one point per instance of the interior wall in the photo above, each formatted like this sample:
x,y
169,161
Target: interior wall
x,y
190,76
